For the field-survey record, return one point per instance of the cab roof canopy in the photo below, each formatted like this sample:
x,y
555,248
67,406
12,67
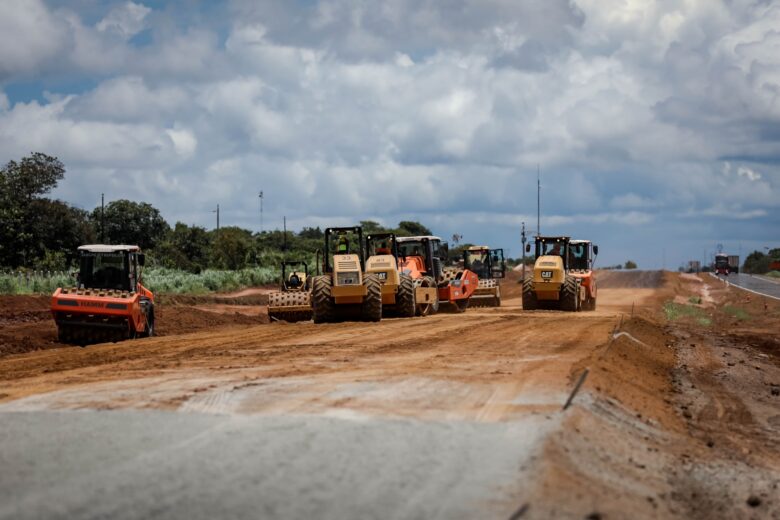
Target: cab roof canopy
x,y
548,238
103,248
417,239
478,248
579,241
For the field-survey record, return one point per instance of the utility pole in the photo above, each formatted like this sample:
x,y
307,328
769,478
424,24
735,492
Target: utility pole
x,y
102,218
538,200
284,247
261,210
217,212
523,240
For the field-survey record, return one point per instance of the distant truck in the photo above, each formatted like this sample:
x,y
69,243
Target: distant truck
x,y
734,263
721,264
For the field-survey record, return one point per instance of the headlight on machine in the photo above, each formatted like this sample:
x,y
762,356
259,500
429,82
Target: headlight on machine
x,y
348,278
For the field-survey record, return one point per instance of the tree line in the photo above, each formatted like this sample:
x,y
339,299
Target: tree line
x,y
37,232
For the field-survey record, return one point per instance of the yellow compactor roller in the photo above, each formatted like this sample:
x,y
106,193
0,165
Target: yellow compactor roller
x,y
292,302
344,290
489,266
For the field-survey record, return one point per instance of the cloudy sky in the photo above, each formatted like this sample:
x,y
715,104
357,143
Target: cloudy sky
x,y
656,124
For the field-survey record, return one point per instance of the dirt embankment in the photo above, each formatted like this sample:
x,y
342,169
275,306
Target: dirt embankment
x,y
26,323
678,417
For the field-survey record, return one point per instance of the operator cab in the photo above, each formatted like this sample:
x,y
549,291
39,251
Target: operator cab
x,y
551,246
581,255
486,263
429,251
343,241
110,267
381,244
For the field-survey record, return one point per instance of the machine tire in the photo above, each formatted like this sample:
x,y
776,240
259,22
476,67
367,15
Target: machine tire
x,y
497,298
149,331
461,305
570,295
322,306
372,304
428,308
406,305
530,302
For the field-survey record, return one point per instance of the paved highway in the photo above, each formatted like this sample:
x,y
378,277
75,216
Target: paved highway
x,y
757,284
149,464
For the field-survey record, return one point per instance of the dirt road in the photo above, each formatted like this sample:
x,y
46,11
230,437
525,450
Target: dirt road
x,y
455,415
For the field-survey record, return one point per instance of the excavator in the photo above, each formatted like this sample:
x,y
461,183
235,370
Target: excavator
x,y
423,258
345,290
292,302
489,266
563,275
108,301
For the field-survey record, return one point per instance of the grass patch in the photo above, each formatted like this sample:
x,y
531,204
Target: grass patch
x,y
737,312
774,274
155,279
675,311
695,300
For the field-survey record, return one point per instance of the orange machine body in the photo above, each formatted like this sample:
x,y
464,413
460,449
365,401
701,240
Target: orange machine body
x,y
119,310
108,303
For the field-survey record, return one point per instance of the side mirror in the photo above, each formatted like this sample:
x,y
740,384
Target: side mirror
x,y
141,259
595,250
528,248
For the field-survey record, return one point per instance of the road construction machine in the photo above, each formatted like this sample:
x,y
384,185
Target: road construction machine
x,y
563,275
424,258
108,301
292,302
345,290
398,290
489,266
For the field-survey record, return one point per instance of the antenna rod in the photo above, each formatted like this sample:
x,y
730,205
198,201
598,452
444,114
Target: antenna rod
x,y
538,201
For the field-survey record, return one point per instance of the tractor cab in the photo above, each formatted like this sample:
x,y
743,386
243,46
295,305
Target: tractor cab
x,y
110,267
551,246
298,279
581,255
344,252
487,263
422,255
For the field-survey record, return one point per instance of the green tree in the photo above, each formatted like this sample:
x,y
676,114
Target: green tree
x,y
185,247
630,264
756,263
409,228
21,184
231,248
369,227
58,230
128,222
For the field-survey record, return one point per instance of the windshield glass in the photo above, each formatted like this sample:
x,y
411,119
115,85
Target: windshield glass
x,y
103,271
381,246
414,248
552,247
578,258
478,262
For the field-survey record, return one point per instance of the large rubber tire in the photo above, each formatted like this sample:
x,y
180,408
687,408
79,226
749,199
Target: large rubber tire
x,y
149,329
497,299
405,303
461,305
322,305
428,308
530,303
372,304
570,295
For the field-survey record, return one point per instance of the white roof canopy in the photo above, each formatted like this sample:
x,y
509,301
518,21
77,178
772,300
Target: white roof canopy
x,y
103,248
